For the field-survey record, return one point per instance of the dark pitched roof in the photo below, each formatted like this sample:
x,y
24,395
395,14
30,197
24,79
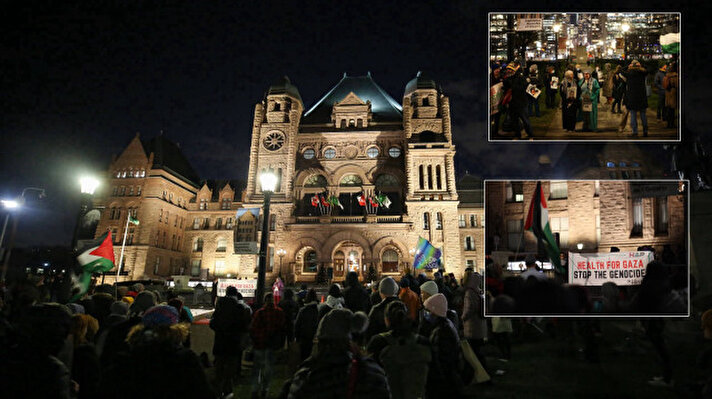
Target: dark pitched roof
x,y
419,82
383,106
284,86
168,156
470,189
216,185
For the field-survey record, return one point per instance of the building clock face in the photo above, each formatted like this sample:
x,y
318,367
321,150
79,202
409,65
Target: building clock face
x,y
273,141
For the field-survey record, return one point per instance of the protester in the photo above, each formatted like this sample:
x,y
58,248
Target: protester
x,y
335,300
619,89
268,331
495,79
404,355
375,297
502,326
552,86
115,341
157,364
306,325
230,321
473,315
290,308
570,93
355,296
660,91
607,86
589,101
443,374
301,295
86,370
533,102
532,269
671,84
636,99
388,290
337,369
409,298
516,84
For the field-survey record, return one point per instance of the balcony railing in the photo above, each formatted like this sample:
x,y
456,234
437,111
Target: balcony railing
x,y
350,219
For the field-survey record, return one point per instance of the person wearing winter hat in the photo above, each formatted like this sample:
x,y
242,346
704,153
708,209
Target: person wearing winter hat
x,y
445,344
334,300
532,269
156,351
410,299
337,368
474,322
428,289
119,313
144,301
75,308
115,340
388,291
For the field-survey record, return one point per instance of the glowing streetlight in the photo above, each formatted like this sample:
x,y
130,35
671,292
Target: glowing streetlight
x,y
10,204
88,184
579,246
625,28
268,183
557,28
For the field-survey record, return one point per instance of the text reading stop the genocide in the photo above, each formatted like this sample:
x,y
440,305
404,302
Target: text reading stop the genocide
x,y
634,268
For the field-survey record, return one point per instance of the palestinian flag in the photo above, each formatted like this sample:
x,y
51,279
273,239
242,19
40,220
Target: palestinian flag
x,y
361,200
315,200
426,255
538,223
384,201
334,201
133,220
95,256
670,43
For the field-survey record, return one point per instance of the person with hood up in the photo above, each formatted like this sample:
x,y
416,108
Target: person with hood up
x,y
355,296
388,290
157,364
589,101
334,300
409,298
306,324
473,318
443,373
338,369
636,99
231,322
671,83
268,331
660,90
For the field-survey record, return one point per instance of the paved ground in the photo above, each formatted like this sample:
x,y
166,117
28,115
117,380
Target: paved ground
x,y
608,128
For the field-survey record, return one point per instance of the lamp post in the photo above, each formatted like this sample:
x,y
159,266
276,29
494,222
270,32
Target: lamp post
x,y
625,27
268,181
281,252
87,185
10,206
579,246
557,28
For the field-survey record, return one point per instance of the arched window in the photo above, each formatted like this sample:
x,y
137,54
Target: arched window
x,y
198,245
222,245
277,106
315,181
426,221
343,123
310,262
394,152
350,181
389,261
386,180
339,259
439,221
352,122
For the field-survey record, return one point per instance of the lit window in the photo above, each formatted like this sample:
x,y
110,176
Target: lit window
x,y
372,152
394,152
219,267
439,221
637,216
426,221
351,180
330,153
198,245
461,221
469,243
611,164
622,164
222,245
315,181
558,190
515,192
309,154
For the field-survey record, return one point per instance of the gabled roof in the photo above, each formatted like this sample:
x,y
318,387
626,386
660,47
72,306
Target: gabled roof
x,y
216,185
383,107
168,156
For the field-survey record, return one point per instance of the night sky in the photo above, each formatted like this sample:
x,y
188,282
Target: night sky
x,y
78,82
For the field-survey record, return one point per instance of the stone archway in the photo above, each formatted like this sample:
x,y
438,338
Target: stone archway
x,y
382,248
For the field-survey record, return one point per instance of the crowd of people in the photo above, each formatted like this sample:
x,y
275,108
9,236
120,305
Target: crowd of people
x,y
582,92
349,343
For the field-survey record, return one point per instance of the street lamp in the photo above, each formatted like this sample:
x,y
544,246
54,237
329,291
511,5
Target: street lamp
x,y
268,182
281,252
87,186
579,246
625,28
11,205
557,28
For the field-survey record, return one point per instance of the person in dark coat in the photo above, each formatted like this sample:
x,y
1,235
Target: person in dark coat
x,y
444,375
570,94
306,324
514,81
230,321
552,86
495,79
290,308
355,296
388,290
660,90
636,98
619,89
268,330
338,369
115,341
533,103
157,364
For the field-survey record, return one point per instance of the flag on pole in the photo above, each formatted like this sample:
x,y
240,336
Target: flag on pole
x,y
324,201
315,200
670,43
95,256
361,200
383,200
133,220
538,223
334,201
426,255
373,201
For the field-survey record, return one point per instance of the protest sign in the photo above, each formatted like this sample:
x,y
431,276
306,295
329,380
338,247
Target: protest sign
x,y
245,287
496,94
622,268
554,83
533,91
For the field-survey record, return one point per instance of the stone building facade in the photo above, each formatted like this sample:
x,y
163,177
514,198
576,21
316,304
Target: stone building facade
x,y
599,214
355,142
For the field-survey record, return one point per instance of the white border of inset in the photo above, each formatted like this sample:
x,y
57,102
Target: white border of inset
x,y
688,239
622,140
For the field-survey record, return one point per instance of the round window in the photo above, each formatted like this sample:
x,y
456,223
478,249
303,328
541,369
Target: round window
x,y
372,152
273,141
330,153
309,154
394,152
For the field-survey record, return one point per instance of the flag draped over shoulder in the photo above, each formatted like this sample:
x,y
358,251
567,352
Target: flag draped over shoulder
x,y
426,255
538,223
95,256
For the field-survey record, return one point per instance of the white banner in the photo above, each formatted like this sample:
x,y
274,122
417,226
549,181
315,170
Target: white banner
x,y
245,287
530,24
622,268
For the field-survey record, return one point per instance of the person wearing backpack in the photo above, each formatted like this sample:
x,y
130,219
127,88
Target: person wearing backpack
x,y
402,353
446,363
337,369
473,318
